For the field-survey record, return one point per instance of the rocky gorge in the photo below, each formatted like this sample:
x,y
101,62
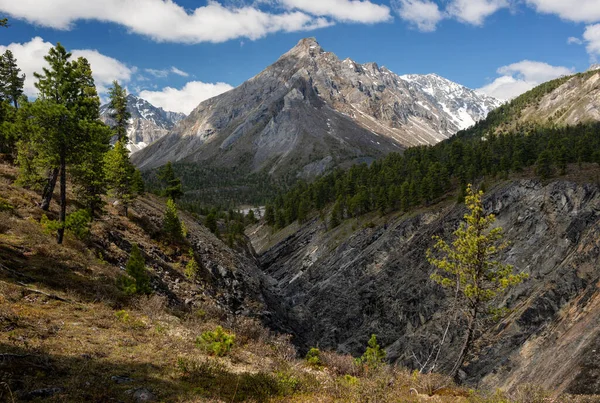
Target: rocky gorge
x,y
334,288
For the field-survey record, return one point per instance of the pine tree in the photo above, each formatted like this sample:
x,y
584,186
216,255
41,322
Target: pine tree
x,y
336,214
56,96
405,196
88,174
119,112
192,267
138,185
270,215
139,280
374,355
9,131
543,165
120,173
88,165
561,160
171,224
67,97
172,183
303,210
11,81
211,222
469,268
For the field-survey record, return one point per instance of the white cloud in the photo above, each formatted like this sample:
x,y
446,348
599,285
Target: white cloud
x,y
520,77
592,39
166,21
362,11
164,73
573,10
574,41
474,11
185,99
181,73
158,73
30,59
424,14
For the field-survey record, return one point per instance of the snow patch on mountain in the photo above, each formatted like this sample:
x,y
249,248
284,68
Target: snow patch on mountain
x,y
463,106
148,123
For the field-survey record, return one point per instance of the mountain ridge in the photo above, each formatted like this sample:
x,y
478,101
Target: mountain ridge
x,y
310,112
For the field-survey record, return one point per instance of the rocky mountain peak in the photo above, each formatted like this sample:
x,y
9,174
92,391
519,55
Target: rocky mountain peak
x,y
316,111
148,123
307,47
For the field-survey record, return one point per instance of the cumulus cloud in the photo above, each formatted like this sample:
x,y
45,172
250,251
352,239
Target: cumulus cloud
x,y
166,21
474,11
520,77
423,14
30,58
578,11
362,11
185,99
591,36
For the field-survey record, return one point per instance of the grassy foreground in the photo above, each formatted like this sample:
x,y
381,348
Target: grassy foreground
x,y
69,334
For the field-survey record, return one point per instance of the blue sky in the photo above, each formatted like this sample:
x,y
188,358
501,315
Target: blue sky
x,y
177,53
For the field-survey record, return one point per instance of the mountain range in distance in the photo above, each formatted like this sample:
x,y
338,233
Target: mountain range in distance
x,y
148,123
310,112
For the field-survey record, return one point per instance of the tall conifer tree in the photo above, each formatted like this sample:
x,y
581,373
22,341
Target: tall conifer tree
x,y
120,174
119,112
66,109
11,81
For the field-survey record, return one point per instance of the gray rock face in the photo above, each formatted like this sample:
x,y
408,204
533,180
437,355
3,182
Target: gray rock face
x,y
310,111
148,123
334,290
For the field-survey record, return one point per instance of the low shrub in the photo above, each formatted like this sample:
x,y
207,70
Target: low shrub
x,y
5,205
137,280
49,226
249,329
192,267
340,364
313,357
78,223
217,342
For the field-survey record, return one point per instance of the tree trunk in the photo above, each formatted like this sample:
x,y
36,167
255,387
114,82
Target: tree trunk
x,y
465,349
63,197
49,189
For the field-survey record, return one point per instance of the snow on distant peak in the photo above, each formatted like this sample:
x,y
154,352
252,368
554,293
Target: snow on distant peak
x,y
462,106
148,123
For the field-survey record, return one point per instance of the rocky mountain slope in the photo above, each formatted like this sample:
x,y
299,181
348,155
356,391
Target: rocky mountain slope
x,y
311,111
148,123
575,101
68,332
335,288
565,101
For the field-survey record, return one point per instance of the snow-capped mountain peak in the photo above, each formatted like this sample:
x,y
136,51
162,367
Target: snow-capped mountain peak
x,y
148,123
463,105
